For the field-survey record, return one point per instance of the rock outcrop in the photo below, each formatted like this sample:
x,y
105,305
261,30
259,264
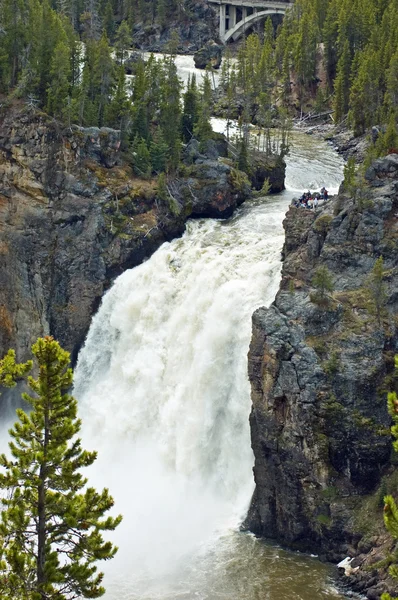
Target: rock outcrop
x,y
265,167
210,55
320,364
196,23
73,216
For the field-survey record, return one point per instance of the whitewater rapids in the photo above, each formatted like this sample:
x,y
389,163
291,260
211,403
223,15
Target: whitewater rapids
x,y
164,395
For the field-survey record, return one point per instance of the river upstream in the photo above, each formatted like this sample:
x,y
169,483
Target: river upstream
x,y
164,397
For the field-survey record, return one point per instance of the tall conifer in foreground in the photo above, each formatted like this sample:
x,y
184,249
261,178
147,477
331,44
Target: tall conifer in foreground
x,y
51,528
390,507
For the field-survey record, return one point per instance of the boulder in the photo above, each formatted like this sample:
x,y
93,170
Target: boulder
x,y
209,55
267,167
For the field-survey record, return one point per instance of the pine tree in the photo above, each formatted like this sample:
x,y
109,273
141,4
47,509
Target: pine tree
x,y
104,72
392,83
118,112
51,523
190,111
323,283
109,21
122,42
141,158
14,25
376,289
342,84
58,90
10,370
158,150
170,112
243,159
161,13
390,506
366,92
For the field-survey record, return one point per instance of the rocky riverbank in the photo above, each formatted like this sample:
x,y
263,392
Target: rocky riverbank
x,y
320,366
73,216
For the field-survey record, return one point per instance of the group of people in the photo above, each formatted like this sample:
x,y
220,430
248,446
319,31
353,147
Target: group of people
x,y
311,200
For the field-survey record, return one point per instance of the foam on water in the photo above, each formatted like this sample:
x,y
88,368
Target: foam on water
x,y
164,395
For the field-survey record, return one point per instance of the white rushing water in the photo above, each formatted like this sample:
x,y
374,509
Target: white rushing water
x,y
162,383
164,395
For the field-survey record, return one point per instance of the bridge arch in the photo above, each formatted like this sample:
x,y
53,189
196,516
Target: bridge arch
x,y
241,26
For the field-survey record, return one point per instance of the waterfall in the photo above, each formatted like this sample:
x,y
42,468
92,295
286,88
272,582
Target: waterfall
x,y
164,395
163,389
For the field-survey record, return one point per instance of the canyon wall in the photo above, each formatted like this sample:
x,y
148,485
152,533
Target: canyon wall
x,y
320,365
73,216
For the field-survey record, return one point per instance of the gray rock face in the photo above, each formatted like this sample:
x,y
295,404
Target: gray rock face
x,y
319,374
209,55
268,167
195,25
73,217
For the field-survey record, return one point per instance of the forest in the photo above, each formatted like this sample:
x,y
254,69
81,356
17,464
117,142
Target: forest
x,y
68,59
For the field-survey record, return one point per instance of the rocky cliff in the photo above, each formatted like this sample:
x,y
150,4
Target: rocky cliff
x,y
195,24
320,364
73,216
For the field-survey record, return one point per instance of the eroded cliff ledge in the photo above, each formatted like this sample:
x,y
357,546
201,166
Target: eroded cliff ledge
x,y
319,374
73,216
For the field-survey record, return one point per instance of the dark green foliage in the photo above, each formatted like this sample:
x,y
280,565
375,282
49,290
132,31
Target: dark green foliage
x,y
171,112
243,159
59,86
109,21
122,42
342,84
51,522
358,40
158,150
350,175
190,111
377,290
202,129
323,283
119,111
141,158
43,60
390,507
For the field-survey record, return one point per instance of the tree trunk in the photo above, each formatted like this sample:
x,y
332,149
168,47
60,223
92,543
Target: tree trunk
x,y
41,534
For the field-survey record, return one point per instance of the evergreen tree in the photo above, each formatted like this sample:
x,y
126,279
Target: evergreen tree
x,y
109,21
122,42
323,283
391,99
10,370
170,112
51,33
141,158
161,13
104,73
202,128
207,96
158,150
390,506
190,111
342,84
58,90
51,523
118,112
14,21
243,159
376,289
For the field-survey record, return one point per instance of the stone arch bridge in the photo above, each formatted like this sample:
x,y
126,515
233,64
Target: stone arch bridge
x,y
237,16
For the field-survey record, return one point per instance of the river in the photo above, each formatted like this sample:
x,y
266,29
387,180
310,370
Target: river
x,y
164,397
